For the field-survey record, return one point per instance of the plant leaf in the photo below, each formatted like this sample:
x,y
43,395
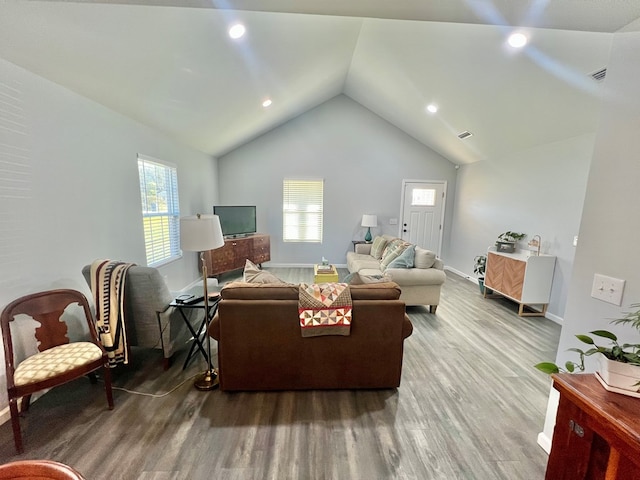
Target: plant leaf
x,y
585,339
547,367
605,334
570,366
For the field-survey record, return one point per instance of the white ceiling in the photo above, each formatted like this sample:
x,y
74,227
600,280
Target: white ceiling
x,y
175,68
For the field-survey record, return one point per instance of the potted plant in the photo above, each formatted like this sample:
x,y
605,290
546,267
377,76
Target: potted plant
x,y
480,264
507,241
618,365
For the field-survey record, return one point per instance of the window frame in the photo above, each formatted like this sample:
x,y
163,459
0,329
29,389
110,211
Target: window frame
x,y
167,248
307,194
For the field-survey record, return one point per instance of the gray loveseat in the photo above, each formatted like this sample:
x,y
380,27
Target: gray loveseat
x,y
420,284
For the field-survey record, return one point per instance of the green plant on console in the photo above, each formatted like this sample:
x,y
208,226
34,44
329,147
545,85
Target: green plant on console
x,y
480,264
625,353
511,236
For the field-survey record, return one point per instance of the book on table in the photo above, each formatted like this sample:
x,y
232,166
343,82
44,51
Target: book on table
x,y
325,268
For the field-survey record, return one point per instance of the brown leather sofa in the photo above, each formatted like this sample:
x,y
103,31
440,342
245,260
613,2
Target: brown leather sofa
x,y
260,345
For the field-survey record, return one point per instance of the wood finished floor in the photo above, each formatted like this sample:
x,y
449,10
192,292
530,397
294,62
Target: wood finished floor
x,y
470,406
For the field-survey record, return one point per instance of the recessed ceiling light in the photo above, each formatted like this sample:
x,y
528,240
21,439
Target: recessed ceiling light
x,y
267,103
517,40
432,108
236,31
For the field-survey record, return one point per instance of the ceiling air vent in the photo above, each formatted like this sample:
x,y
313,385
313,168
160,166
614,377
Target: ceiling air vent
x,y
464,135
599,75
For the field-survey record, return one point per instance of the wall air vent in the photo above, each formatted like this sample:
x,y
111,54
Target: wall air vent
x,y
599,75
464,135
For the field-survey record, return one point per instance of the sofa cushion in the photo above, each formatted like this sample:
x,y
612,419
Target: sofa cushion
x,y
259,291
424,258
357,262
375,291
357,278
288,291
253,274
379,243
416,276
405,259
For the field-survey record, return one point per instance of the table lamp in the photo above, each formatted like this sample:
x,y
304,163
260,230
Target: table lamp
x,y
369,221
200,233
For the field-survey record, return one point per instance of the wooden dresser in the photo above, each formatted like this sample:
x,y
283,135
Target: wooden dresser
x,y
597,433
236,251
522,278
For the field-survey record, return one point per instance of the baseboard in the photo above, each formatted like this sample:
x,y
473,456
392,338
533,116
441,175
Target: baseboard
x,y
461,274
301,265
544,442
554,318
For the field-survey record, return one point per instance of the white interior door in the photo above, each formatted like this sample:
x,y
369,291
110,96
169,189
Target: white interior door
x,y
423,213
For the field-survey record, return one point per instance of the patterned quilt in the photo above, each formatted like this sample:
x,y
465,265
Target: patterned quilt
x,y
324,309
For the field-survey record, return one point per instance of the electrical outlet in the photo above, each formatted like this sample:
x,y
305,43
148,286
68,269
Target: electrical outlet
x,y
607,289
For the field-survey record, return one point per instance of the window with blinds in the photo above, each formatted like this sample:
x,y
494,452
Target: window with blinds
x,y
160,210
302,217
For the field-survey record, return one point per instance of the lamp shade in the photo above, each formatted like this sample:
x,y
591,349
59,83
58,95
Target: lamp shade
x,y
199,233
369,221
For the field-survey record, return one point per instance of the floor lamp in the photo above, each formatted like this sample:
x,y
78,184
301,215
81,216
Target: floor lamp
x,y
200,233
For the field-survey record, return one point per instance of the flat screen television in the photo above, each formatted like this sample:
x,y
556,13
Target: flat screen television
x,y
236,220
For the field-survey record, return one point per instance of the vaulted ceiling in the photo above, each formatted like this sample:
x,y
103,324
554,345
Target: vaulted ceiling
x,y
175,68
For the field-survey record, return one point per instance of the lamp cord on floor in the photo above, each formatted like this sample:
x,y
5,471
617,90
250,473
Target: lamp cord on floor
x,y
153,395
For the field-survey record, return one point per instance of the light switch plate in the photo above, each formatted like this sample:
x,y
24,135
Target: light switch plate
x,y
607,289
393,221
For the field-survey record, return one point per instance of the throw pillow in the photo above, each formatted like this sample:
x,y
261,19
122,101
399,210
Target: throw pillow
x,y
394,248
378,247
424,258
253,274
405,259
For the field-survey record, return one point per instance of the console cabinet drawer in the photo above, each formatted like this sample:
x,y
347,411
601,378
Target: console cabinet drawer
x,y
235,252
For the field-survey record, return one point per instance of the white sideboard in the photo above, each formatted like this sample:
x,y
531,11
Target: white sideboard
x,y
522,277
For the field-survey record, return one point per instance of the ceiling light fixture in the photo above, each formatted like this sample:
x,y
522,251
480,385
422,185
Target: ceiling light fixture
x,y
517,40
432,108
236,31
267,103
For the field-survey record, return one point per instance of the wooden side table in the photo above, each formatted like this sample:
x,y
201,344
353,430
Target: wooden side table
x,y
597,433
214,298
358,242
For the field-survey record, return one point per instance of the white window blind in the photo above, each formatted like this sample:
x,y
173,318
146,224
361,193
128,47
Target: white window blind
x,y
160,210
302,202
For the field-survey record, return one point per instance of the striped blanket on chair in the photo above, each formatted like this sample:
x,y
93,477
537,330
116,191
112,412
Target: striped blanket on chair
x,y
107,287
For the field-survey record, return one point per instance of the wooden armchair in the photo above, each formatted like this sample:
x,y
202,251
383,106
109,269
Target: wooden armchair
x,y
58,360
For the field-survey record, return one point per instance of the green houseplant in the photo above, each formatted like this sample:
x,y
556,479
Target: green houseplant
x,y
479,266
618,366
506,241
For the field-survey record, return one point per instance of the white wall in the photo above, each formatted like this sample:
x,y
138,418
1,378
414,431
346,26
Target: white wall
x,y
363,160
610,226
77,161
539,191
